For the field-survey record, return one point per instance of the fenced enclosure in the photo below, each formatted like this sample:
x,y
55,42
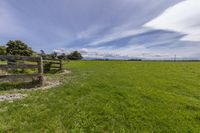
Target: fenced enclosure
x,y
53,64
22,62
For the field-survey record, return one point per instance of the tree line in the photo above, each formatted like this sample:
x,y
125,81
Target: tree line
x,y
20,48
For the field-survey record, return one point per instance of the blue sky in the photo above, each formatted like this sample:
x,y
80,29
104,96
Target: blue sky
x,y
105,28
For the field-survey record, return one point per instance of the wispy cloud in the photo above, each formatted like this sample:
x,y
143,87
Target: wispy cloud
x,y
117,35
106,28
182,17
89,32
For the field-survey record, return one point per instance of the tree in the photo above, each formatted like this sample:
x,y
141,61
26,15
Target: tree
x,y
75,56
63,56
2,50
54,55
42,52
18,48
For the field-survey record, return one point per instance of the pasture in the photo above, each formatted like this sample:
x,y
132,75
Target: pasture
x,y
111,96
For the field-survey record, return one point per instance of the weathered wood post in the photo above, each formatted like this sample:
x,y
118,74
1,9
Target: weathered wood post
x,y
61,65
40,71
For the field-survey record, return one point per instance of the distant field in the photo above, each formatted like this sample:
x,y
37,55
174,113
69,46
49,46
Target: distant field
x,y
112,96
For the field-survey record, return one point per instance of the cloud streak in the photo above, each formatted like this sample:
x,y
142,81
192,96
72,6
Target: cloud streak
x,y
107,28
182,18
117,35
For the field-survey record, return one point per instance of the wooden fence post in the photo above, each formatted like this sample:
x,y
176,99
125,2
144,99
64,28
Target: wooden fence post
x,y
61,65
40,72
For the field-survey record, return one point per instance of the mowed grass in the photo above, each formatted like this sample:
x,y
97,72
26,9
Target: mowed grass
x,y
112,96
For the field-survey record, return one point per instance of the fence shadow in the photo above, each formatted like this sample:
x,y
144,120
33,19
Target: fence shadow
x,y
17,85
53,71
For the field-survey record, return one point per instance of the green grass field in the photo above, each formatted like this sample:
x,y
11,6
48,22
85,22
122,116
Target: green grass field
x,y
112,96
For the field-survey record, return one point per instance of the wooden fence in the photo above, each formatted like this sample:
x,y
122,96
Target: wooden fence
x,y
12,64
54,64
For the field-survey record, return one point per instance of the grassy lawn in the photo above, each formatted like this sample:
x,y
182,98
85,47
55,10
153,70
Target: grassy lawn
x,y
112,96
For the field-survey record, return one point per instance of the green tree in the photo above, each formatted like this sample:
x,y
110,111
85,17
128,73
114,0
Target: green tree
x,y
2,50
54,55
18,48
75,56
63,56
42,52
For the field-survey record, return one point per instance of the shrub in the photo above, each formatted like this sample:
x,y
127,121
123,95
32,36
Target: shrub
x,y
75,56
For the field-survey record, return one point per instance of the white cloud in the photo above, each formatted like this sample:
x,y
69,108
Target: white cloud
x,y
131,51
137,51
121,33
60,51
182,17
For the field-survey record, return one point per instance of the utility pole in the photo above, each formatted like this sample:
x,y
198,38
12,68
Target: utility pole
x,y
175,58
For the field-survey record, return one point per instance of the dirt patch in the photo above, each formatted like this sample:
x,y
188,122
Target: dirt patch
x,y
50,82
66,72
49,85
12,97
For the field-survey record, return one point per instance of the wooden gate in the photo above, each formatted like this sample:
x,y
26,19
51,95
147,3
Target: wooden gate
x,y
23,65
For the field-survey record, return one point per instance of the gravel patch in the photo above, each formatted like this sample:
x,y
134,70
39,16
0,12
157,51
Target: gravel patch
x,y
48,85
11,97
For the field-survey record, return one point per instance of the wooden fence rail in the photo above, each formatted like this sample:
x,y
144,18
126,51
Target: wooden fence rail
x,y
24,58
54,64
13,65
